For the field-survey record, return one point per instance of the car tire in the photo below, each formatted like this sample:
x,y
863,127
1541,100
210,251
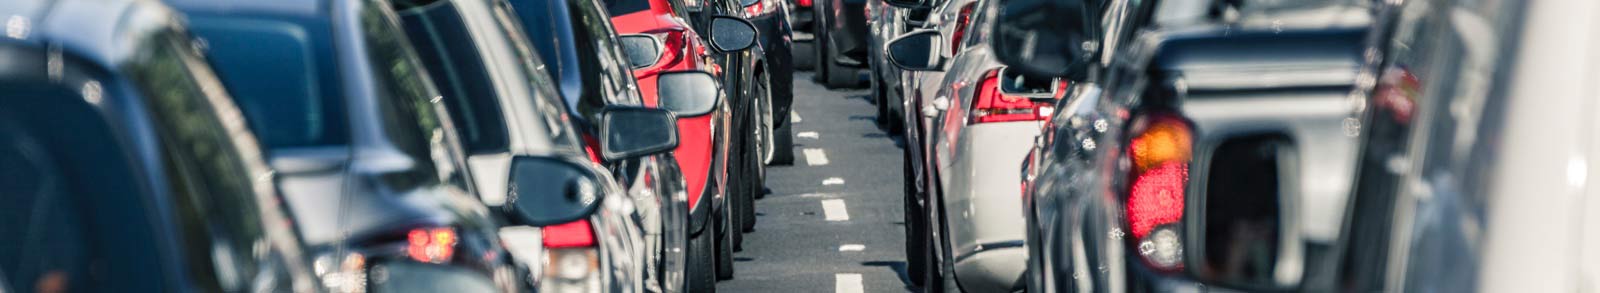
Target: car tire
x,y
880,98
936,279
783,143
839,76
701,274
805,56
725,244
916,231
819,49
896,123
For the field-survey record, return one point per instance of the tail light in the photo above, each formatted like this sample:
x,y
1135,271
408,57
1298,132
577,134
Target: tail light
x,y
762,7
342,274
962,20
803,3
589,145
572,261
990,105
432,245
1160,152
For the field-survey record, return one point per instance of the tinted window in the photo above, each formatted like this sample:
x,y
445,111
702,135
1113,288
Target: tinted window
x,y
282,74
577,44
211,176
404,98
51,141
621,7
446,47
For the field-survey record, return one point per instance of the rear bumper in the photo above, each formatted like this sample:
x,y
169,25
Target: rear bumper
x,y
983,207
997,268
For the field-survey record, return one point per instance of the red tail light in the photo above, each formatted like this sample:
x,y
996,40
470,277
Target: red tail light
x,y
435,245
804,3
1160,152
673,45
989,105
589,145
962,19
568,235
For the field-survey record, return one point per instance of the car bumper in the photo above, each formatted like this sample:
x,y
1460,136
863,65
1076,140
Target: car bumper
x,y
996,269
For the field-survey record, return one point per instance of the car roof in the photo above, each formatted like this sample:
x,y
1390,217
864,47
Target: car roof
x,y
59,23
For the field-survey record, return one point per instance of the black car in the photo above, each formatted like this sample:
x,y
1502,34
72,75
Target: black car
x,y
579,47
367,158
125,167
840,42
746,78
771,18
508,111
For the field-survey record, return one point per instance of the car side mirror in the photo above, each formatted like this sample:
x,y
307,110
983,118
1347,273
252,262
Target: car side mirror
x,y
642,50
730,33
1047,37
546,190
688,93
916,51
628,132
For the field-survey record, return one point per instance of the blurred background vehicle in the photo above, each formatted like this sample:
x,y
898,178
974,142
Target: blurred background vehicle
x,y
511,119
884,23
1198,148
1476,140
840,42
124,166
771,19
365,156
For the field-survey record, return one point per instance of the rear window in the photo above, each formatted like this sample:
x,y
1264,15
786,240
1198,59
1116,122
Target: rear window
x,y
621,7
277,71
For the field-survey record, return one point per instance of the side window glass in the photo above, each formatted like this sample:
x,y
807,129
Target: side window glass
x,y
446,47
216,204
405,102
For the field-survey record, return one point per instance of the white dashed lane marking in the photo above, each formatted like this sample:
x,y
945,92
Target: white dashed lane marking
x,y
852,247
834,210
795,115
832,181
816,157
808,134
847,283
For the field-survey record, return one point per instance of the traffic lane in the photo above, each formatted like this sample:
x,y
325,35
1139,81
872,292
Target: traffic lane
x,y
833,224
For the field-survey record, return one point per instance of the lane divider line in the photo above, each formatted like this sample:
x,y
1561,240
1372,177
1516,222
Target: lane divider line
x,y
834,210
808,134
847,283
852,247
832,181
794,115
816,157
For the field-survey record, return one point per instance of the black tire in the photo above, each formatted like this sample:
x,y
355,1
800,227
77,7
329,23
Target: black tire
x,y
757,153
725,245
819,49
805,56
880,98
783,143
701,274
935,278
737,194
839,76
916,231
896,124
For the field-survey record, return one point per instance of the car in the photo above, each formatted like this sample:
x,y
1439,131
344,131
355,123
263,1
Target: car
x,y
358,137
580,48
125,167
775,32
1209,152
511,119
1474,150
886,22
840,42
746,80
657,41
984,118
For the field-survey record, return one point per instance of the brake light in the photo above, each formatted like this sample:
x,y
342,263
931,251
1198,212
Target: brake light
x,y
1160,152
673,45
962,19
589,143
754,9
989,105
804,3
572,261
571,234
435,245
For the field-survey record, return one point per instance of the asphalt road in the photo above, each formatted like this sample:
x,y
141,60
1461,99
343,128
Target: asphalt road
x,y
832,222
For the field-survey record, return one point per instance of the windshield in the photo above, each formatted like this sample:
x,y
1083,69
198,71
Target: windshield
x,y
276,71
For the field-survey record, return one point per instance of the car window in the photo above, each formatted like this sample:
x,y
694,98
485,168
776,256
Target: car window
x,y
545,97
622,7
587,64
217,202
405,104
446,47
278,72
59,233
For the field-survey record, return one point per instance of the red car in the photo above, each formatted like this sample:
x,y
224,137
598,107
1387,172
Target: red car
x,y
656,26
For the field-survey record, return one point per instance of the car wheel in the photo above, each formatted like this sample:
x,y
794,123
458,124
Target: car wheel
x,y
936,279
916,231
783,143
805,56
701,274
757,167
819,48
764,121
880,98
725,244
839,76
